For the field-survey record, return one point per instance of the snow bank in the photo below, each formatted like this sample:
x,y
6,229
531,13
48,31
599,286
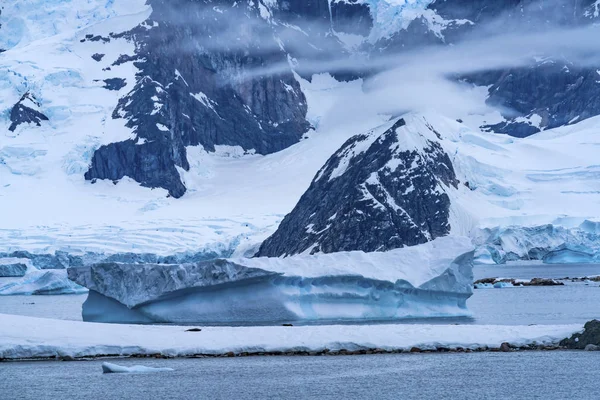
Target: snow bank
x,y
26,337
49,282
429,280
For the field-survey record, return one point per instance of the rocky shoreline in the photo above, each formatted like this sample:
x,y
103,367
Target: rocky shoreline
x,y
509,282
504,347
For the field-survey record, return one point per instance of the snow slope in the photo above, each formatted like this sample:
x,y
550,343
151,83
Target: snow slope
x,y
26,337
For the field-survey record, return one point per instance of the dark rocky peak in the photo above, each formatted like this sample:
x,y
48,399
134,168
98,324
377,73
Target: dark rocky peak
x,y
550,94
381,190
26,111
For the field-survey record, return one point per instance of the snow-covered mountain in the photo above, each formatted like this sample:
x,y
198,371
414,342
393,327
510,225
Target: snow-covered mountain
x,y
189,129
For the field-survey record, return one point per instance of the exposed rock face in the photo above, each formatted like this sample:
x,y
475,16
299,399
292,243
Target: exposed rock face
x,y
200,79
26,111
551,93
381,190
590,336
114,83
196,86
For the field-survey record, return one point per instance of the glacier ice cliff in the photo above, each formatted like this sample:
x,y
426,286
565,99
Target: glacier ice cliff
x,y
549,243
429,280
12,267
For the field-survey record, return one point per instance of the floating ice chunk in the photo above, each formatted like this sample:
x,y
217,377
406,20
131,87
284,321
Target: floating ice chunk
x,y
48,282
110,368
484,286
501,285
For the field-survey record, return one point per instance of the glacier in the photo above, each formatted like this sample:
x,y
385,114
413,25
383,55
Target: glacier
x,y
430,280
550,243
13,267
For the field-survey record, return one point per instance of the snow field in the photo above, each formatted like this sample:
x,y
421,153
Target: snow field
x,y
26,337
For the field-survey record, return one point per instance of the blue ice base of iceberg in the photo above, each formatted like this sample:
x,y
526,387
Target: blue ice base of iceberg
x,y
283,299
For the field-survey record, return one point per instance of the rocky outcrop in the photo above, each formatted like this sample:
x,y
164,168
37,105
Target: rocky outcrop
x,y
497,282
198,85
547,94
551,94
381,190
589,337
114,83
26,111
214,73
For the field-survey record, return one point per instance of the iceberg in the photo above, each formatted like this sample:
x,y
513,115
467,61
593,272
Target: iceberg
x,y
50,282
110,368
429,280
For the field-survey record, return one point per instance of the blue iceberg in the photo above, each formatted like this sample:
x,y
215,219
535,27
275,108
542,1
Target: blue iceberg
x,y
430,280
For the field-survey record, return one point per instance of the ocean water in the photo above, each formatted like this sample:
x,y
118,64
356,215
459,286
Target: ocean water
x,y
572,303
520,375
536,270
